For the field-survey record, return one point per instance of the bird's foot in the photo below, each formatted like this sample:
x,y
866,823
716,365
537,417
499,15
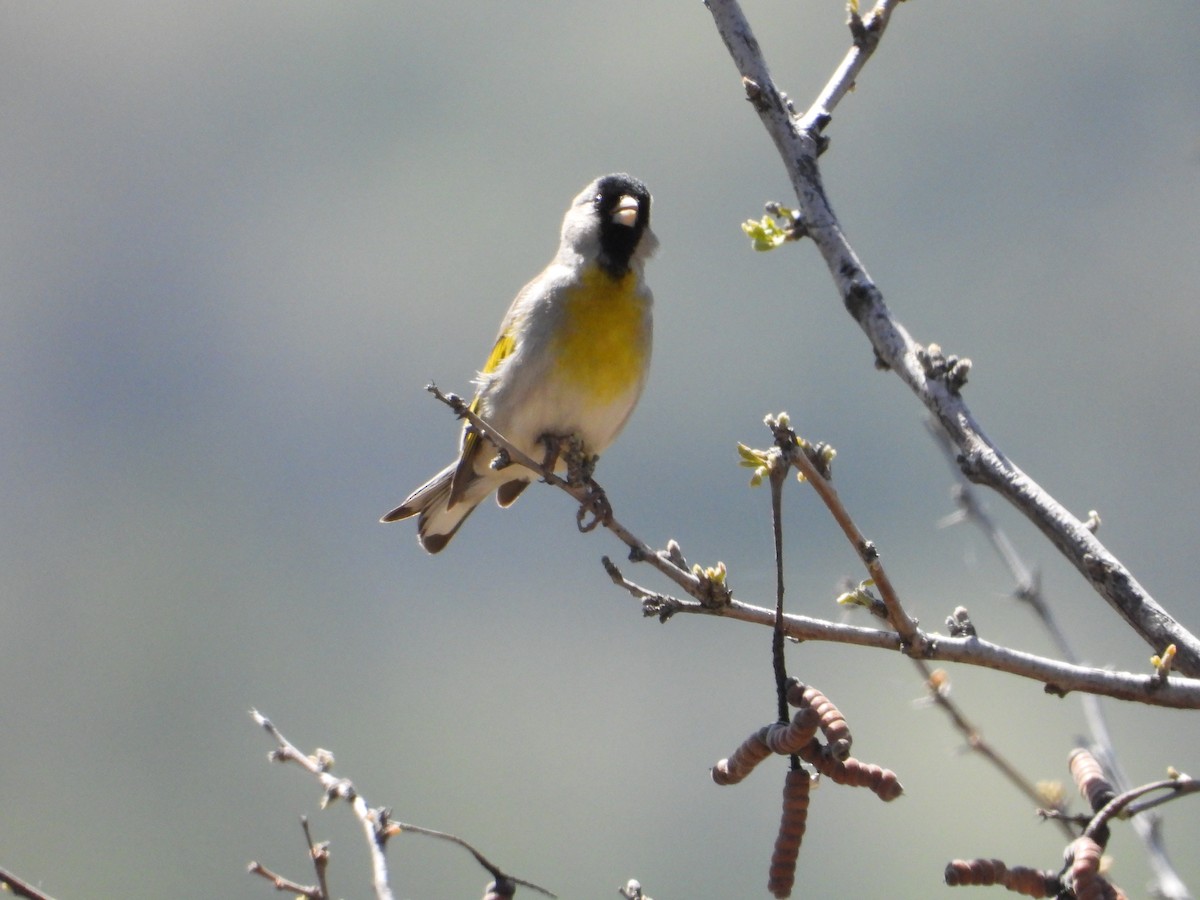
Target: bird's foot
x,y
570,450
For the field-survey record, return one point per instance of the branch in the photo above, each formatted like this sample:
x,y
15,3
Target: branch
x,y
814,465
866,33
1029,591
499,876
780,468
711,596
318,765
318,853
587,493
286,885
1125,804
939,695
798,140
375,822
1059,678
904,624
20,888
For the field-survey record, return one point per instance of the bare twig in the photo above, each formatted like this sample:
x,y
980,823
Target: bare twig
x,y
318,853
779,472
1126,802
1058,677
936,683
910,635
308,891
21,888
866,33
493,869
939,695
371,820
377,823
799,142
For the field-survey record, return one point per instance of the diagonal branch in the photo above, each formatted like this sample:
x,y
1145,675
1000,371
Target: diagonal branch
x,y
866,33
904,624
20,888
1168,884
799,141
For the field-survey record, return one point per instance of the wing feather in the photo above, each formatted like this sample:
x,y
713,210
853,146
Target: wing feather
x,y
465,471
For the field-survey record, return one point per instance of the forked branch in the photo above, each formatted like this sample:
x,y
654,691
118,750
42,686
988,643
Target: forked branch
x,y
799,140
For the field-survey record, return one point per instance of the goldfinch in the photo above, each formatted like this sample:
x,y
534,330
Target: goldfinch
x,y
571,358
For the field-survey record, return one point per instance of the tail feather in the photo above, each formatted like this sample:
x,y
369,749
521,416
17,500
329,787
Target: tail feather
x,y
433,542
437,520
508,492
443,503
437,517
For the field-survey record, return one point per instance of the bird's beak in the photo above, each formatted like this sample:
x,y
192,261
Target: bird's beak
x,y
626,212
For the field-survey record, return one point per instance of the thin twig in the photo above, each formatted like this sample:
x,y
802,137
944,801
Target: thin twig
x,y
779,472
867,33
1125,802
977,743
1059,678
340,789
281,883
938,693
904,624
376,822
21,888
319,854
496,872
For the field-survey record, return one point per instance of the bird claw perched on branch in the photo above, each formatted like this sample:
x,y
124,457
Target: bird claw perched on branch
x,y
580,465
596,505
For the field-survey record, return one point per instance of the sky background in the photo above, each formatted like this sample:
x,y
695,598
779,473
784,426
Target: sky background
x,y
238,239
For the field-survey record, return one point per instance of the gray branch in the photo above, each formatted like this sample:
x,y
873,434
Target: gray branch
x,y
799,141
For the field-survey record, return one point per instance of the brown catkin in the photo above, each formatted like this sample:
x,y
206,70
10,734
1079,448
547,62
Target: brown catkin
x,y
1031,882
1084,875
833,724
1089,778
792,822
752,751
787,738
974,872
1019,879
852,772
1085,869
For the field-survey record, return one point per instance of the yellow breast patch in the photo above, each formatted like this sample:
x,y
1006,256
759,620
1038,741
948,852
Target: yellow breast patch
x,y
603,343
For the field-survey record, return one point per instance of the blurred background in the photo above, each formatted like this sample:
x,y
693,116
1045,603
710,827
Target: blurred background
x,y
238,240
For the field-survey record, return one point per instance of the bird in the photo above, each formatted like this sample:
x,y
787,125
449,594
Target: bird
x,y
570,360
